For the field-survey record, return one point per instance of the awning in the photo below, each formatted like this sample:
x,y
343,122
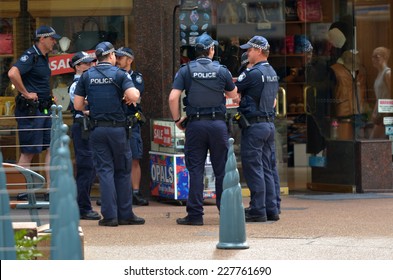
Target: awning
x,y
9,8
66,8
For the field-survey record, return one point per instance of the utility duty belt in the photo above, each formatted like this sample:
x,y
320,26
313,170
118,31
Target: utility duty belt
x,y
211,117
259,119
96,123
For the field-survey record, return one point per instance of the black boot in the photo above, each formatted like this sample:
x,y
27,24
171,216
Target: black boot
x,y
138,199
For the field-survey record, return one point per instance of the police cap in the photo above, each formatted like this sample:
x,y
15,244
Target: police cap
x,y
204,41
46,31
124,52
81,57
258,42
104,48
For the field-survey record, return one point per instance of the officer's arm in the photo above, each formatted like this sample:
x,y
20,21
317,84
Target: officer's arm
x,y
174,98
79,103
16,80
131,95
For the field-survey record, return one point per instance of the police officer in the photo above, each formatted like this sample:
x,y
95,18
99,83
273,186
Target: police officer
x,y
258,87
124,59
85,174
105,86
31,77
205,83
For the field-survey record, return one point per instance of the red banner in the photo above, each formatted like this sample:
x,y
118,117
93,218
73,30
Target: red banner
x,y
162,135
59,64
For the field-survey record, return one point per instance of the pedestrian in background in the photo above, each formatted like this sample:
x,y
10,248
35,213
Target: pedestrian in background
x,y
258,87
124,59
205,83
106,86
31,77
85,173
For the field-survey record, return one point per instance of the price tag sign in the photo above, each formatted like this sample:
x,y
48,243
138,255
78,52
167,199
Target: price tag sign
x,y
388,120
385,106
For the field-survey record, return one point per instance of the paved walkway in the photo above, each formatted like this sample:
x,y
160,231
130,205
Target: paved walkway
x,y
312,227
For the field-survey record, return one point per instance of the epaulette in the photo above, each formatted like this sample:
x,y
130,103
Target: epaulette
x,y
138,73
184,64
121,69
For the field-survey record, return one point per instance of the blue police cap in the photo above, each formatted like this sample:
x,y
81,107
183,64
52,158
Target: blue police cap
x,y
124,52
80,57
104,48
258,42
205,41
46,31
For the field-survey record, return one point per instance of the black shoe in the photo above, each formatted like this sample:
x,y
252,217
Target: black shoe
x,y
247,210
108,222
138,199
91,215
275,217
21,197
255,219
134,220
98,202
190,222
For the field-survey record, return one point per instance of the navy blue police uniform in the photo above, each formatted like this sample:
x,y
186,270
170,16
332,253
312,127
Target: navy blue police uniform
x,y
259,87
34,131
204,82
85,174
104,85
136,138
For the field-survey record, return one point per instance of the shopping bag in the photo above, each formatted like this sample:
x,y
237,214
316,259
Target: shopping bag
x,y
309,10
6,38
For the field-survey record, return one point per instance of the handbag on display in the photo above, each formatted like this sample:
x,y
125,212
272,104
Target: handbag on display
x,y
88,39
309,10
6,38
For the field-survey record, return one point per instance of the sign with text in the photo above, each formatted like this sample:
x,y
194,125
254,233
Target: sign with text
x,y
385,106
162,135
59,64
387,120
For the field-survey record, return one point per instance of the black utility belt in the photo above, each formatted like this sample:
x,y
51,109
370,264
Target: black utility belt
x,y
210,117
259,119
108,123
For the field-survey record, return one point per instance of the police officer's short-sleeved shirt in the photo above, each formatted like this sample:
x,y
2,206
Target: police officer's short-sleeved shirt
x,y
35,72
139,83
104,89
252,84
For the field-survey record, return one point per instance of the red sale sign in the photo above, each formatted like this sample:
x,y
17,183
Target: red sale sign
x,y
59,64
162,135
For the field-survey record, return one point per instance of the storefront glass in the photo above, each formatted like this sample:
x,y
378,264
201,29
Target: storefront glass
x,y
324,53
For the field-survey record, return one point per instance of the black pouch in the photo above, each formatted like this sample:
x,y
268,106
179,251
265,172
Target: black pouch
x,y
27,106
241,120
85,128
140,117
45,105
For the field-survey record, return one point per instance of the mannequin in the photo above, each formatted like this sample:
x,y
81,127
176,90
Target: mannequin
x,y
382,88
349,93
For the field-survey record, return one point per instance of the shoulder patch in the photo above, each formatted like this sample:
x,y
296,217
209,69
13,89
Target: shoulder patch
x,y
138,79
24,58
241,77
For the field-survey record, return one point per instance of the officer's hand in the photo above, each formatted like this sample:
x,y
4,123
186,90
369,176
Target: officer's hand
x,y
179,124
31,95
236,99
